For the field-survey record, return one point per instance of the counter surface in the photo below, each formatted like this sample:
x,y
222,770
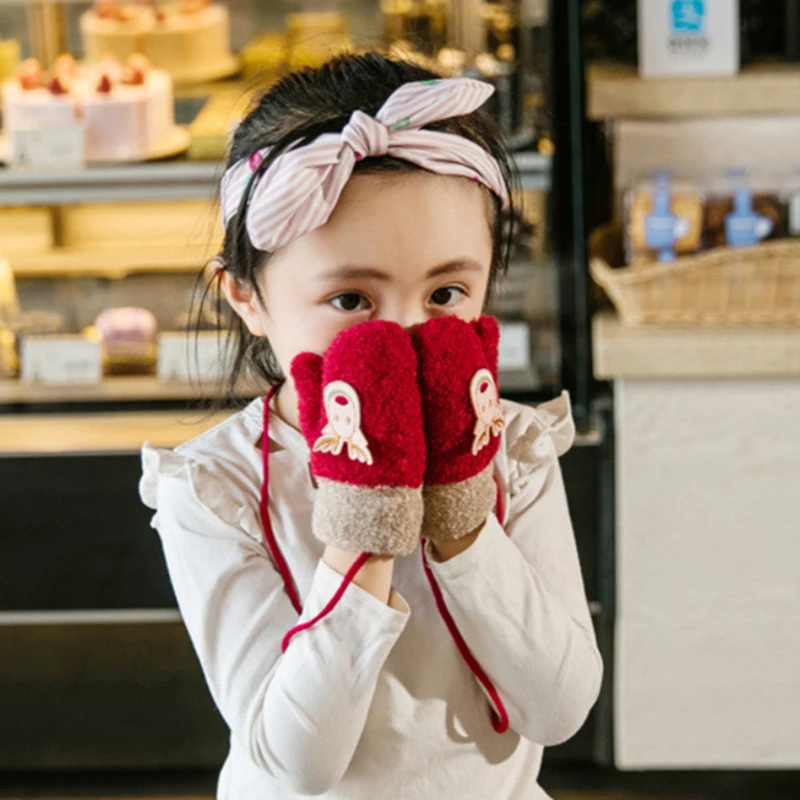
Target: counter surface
x,y
648,352
616,91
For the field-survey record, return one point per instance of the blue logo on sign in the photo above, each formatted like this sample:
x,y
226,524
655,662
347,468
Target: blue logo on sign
x,y
688,17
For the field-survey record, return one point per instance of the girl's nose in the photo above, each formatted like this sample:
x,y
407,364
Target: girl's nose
x,y
411,324
409,319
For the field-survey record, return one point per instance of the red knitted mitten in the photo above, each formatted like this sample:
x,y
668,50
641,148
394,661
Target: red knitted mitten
x,y
463,421
361,414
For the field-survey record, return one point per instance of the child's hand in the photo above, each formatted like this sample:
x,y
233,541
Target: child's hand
x,y
361,414
463,421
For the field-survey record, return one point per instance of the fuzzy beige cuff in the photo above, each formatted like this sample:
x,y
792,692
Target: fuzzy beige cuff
x,y
384,521
454,510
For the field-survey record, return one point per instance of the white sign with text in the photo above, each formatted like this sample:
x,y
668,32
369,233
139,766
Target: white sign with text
x,y
515,346
48,148
189,357
60,360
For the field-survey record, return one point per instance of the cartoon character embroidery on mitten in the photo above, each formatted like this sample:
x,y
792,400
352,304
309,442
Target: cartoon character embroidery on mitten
x,y
486,404
343,410
362,392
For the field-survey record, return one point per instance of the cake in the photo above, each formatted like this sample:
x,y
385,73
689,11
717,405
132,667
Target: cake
x,y
266,55
126,109
189,39
127,333
313,37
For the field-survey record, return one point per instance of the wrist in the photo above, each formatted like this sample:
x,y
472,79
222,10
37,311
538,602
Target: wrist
x,y
375,576
444,550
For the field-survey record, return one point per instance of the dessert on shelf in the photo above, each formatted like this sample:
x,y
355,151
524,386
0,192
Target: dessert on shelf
x,y
211,129
423,22
9,300
314,36
128,335
309,39
9,312
127,108
189,39
265,55
9,58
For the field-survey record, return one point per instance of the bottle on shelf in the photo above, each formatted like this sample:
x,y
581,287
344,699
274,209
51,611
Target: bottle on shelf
x,y
743,226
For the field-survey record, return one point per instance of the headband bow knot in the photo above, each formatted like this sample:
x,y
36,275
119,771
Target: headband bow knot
x,y
365,136
299,190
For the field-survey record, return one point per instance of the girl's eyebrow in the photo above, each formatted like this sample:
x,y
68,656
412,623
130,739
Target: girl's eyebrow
x,y
456,265
349,273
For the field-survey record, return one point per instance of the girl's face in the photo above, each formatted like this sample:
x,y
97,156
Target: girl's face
x,y
401,247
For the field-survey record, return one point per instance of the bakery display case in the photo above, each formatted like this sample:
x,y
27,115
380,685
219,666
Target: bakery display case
x,y
116,117
115,121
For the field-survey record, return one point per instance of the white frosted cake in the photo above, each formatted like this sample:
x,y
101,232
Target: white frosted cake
x,y
188,39
126,110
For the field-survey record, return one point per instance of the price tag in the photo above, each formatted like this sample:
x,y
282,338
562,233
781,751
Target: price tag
x,y
515,346
60,360
794,214
189,357
50,148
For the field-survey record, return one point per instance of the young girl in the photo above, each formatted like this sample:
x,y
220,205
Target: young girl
x,y
375,563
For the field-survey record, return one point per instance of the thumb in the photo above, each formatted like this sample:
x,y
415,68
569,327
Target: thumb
x,y
489,333
306,371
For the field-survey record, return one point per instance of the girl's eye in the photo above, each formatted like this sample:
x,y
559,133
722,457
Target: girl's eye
x,y
447,296
350,301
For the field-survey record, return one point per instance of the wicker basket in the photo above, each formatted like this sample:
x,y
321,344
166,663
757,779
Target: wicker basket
x,y
725,286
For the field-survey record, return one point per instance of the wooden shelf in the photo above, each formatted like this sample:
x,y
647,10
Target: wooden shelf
x,y
107,263
116,432
165,181
171,180
147,388
127,388
615,91
649,352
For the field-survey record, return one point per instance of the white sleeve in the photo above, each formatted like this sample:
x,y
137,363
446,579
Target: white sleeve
x,y
518,599
299,715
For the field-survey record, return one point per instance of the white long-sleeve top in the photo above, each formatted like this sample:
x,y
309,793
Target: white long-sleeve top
x,y
375,701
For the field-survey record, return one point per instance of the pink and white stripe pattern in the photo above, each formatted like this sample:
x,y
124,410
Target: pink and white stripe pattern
x,y
300,189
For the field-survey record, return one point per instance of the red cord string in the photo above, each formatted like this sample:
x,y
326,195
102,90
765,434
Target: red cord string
x,y
499,716
277,556
348,578
280,561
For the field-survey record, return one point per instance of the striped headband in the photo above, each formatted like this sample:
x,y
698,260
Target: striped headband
x,y
299,190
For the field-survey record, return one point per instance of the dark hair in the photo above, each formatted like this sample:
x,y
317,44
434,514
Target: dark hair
x,y
301,107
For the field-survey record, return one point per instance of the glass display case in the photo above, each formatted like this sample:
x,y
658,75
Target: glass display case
x,y
104,240
112,220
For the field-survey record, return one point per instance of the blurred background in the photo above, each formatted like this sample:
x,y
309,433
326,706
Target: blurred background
x,y
655,276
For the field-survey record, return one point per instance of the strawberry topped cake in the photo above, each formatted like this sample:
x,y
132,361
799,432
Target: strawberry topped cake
x,y
188,38
126,108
